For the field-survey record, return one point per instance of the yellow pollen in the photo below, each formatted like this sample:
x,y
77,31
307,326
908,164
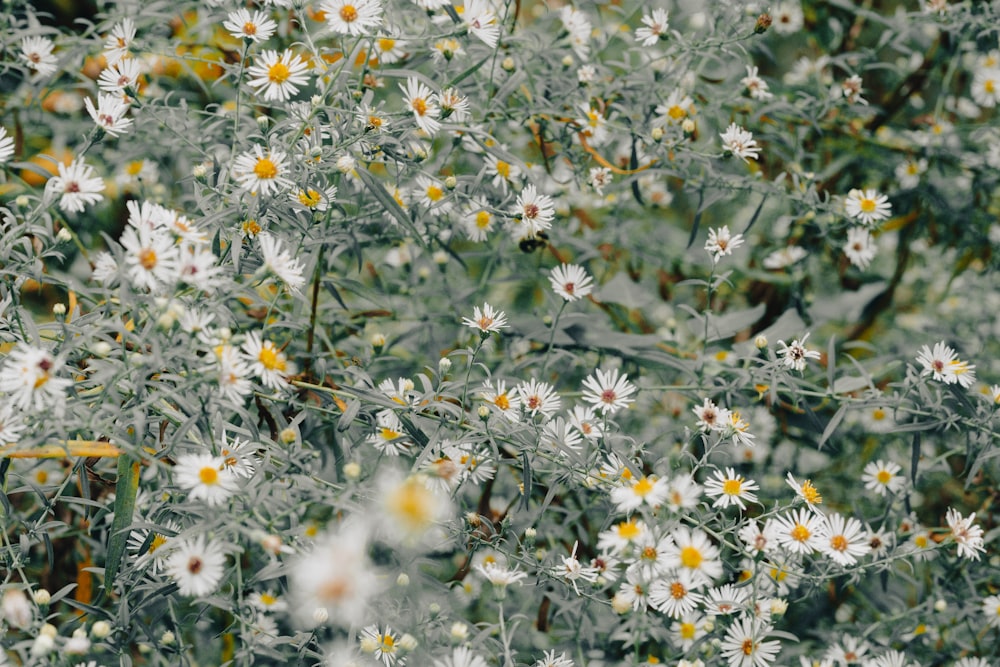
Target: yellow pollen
x,y
732,487
502,402
643,487
389,434
412,502
208,476
267,599
249,28
386,44
375,122
278,72
42,476
878,414
649,553
778,575
503,169
867,205
251,228
133,168
41,380
626,473
810,493
265,169
800,533
434,193
309,198
989,86
687,630
677,590
748,647
920,629
883,476
691,557
158,541
676,112
838,543
628,530
419,106
270,358
147,258
482,220
348,13
920,541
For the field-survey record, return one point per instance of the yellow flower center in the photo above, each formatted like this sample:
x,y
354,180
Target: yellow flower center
x,y
208,475
778,575
676,112
434,193
270,358
133,168
419,106
267,599
643,487
147,258
502,402
989,86
250,227
386,44
883,476
413,503
878,414
349,14
677,590
748,647
920,541
389,434
628,530
691,557
687,630
867,205
265,169
732,487
810,493
249,28
158,541
503,169
838,543
482,220
278,72
800,533
309,198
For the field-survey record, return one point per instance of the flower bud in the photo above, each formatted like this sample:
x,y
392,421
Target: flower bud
x,y
656,133
64,235
262,122
508,64
760,342
59,309
762,24
41,596
451,182
444,365
352,470
100,629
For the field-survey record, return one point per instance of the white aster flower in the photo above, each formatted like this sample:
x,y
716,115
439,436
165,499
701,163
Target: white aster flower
x,y
796,354
740,143
197,566
608,392
721,242
654,28
352,17
278,76
280,262
256,27
868,206
78,185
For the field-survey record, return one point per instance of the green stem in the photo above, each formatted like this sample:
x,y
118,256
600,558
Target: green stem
x,y
552,337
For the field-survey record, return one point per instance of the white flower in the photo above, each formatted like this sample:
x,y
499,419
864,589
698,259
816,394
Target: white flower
x,y
481,21
843,540
608,392
571,570
744,645
462,656
532,212
550,659
267,362
785,257
720,242
868,206
755,86
655,27
883,477
787,17
500,576
795,355
423,103
252,28
36,52
116,78
280,262
151,257
579,28
740,142
279,77
571,281
205,477
28,378
860,247
986,87
943,364
798,531
117,44
6,146
908,172
196,566
78,184
652,491
352,17
731,489
538,398
487,320
968,536
261,174
675,595
598,178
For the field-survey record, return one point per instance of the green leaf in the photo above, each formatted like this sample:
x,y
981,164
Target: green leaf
x,y
388,201
126,489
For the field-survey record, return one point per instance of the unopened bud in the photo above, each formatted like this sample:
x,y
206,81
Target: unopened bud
x,y
352,470
508,64
760,342
64,235
762,24
262,122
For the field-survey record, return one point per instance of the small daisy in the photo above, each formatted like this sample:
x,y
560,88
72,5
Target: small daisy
x,y
744,645
499,575
478,221
312,199
850,89
11,425
118,43
538,398
787,17
533,212
860,247
599,178
461,656
986,87
267,362
968,536
991,610
251,28
487,320
675,595
352,17
389,49
796,354
608,392
675,110
550,659
36,52
571,570
720,242
619,537
805,490
481,20
383,646
755,86
280,262
205,477
151,258
584,419
683,493
28,378
782,259
651,491
731,489
124,74
654,28
688,629
725,600
261,174
740,143
693,550
196,566
798,531
593,125
454,105
507,402
109,115
6,146
389,437
423,103
943,364
78,184
579,27
503,173
758,539
908,173
868,206
843,540
710,416
278,76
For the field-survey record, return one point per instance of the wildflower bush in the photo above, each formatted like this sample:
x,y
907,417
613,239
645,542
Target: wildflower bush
x,y
508,334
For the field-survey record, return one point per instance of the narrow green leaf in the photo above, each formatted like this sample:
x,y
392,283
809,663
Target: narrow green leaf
x,y
388,201
526,494
832,425
915,457
126,489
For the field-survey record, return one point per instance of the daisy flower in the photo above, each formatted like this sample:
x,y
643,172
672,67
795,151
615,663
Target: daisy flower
x,y
454,105
868,206
423,103
593,125
462,656
683,493
688,629
151,257
675,594
843,540
11,425
860,247
196,566
744,645
710,416
231,371
986,87
6,146
731,489
599,178
502,172
908,172
740,143
205,477
118,43
621,536
804,490
943,364
500,576
389,49
572,570
533,212
478,222
412,510
783,258
487,320
968,536
36,52
256,27
725,600
538,398
787,17
850,89
654,28
278,76
608,392
677,107
550,659
651,491
755,86
693,550
796,354
584,419
571,281
28,378
389,437
312,199
481,21
261,174
109,115
280,262
507,402
758,539
116,78
352,17
267,362
633,593
559,436
991,610
579,28
720,242
78,184
798,531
